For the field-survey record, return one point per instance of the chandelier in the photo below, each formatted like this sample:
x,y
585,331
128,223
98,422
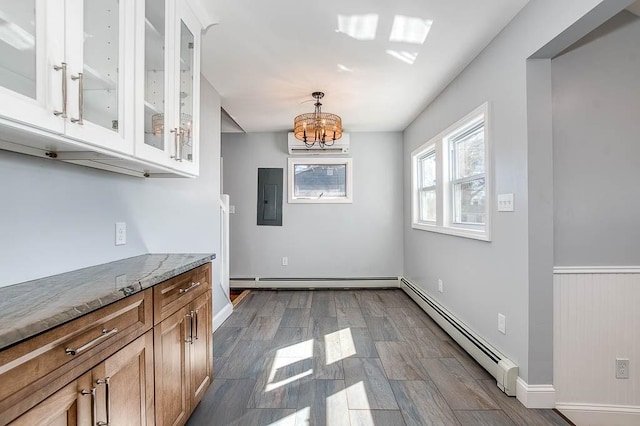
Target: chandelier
x,y
321,127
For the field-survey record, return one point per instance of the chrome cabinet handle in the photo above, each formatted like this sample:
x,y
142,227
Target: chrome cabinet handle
x,y
195,313
105,382
105,334
80,79
94,410
176,134
191,287
62,67
190,338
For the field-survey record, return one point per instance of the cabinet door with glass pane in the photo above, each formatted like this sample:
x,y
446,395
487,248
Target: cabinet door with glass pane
x,y
185,124
171,67
100,53
154,35
32,64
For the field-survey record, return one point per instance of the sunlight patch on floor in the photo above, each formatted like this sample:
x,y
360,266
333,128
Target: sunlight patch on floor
x,y
299,350
288,356
337,410
291,418
357,397
271,386
339,345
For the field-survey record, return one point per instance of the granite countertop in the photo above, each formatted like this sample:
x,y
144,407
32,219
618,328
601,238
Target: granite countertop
x,y
33,307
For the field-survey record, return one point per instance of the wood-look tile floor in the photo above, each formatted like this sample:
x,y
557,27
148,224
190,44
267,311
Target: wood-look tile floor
x,y
361,357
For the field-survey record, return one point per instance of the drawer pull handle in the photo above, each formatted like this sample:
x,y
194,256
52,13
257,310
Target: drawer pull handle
x,y
105,334
195,313
105,382
94,408
191,287
190,338
80,79
63,68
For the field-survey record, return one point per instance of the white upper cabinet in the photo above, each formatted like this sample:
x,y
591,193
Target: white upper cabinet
x,y
100,56
171,90
112,84
32,68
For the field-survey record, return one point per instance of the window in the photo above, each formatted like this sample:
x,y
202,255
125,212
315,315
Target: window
x,y
450,180
320,180
427,186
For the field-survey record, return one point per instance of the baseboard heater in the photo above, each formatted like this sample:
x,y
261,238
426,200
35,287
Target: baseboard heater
x,y
502,368
315,283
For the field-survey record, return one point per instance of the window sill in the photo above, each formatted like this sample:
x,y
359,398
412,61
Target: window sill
x,y
320,201
458,232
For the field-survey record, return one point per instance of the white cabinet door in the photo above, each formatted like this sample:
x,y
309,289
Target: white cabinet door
x,y
169,132
100,54
31,63
185,123
153,65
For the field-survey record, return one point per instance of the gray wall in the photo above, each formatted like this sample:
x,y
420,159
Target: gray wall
x,y
596,132
56,217
483,279
363,239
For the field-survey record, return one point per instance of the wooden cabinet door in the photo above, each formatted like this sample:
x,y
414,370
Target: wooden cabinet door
x,y
171,355
70,406
124,385
200,348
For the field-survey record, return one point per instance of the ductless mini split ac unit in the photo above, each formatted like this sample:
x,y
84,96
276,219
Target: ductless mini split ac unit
x,y
296,147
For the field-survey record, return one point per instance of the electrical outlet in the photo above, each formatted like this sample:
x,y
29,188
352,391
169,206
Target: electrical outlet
x,y
121,233
505,202
622,368
440,286
285,261
502,324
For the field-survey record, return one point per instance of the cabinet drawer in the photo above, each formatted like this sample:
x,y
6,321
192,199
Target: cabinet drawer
x,y
30,367
177,292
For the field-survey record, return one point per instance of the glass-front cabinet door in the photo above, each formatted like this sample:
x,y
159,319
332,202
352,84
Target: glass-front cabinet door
x,y
153,36
171,64
32,64
186,130
100,55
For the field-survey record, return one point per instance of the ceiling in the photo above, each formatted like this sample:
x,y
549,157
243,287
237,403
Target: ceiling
x,y
379,62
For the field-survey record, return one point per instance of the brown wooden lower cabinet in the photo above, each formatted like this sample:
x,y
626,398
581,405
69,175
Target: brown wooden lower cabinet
x,y
142,374
118,391
183,345
68,406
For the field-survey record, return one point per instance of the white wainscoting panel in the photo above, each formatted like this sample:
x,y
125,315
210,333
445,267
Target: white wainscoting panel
x,y
596,320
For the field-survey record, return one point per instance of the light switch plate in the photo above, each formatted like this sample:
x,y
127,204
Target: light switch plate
x,y
232,209
502,324
121,233
505,202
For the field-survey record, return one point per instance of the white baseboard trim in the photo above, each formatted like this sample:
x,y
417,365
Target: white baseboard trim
x,y
535,396
221,316
313,284
600,415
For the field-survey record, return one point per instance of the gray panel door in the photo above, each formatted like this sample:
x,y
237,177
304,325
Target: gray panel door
x,y
270,184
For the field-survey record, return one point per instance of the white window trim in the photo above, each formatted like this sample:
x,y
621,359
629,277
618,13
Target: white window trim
x,y
423,151
444,218
292,161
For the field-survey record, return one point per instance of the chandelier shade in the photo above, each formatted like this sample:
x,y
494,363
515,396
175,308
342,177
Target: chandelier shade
x,y
317,127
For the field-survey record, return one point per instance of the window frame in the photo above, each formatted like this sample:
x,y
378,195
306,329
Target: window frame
x,y
442,145
425,153
347,162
